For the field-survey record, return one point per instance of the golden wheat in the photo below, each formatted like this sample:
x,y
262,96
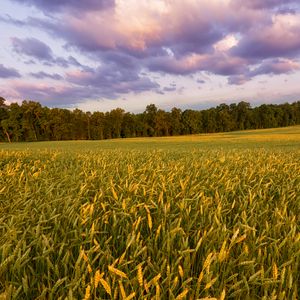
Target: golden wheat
x,y
190,218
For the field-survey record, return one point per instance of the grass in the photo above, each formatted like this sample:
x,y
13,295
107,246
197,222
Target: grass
x,y
265,138
166,218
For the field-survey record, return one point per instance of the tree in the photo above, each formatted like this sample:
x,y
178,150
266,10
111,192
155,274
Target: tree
x,y
31,120
266,116
141,126
243,116
97,123
61,124
224,119
6,129
209,118
79,125
129,126
116,119
191,121
150,118
162,123
2,102
13,122
3,115
176,121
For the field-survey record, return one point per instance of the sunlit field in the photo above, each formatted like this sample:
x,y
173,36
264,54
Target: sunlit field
x,y
206,216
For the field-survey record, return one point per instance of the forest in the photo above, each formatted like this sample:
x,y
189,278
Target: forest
x,y
31,121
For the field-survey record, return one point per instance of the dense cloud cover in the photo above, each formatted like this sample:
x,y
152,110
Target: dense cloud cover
x,y
130,40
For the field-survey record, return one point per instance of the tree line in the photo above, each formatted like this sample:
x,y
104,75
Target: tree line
x,y
31,121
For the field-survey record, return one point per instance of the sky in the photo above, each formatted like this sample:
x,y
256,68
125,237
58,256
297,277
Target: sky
x,y
97,55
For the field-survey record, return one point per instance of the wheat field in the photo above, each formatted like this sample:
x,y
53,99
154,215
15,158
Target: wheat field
x,y
198,217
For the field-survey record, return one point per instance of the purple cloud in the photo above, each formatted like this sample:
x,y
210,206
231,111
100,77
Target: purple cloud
x,y
225,65
32,47
42,75
259,4
272,66
111,80
171,65
286,10
276,66
261,46
195,36
52,95
9,20
280,39
169,89
238,79
8,72
59,5
216,63
79,88
201,81
40,51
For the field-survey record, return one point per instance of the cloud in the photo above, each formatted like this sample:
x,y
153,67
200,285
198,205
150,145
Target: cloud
x,y
8,72
40,51
216,63
238,79
50,95
267,67
42,75
74,5
10,20
169,89
281,39
112,80
127,42
152,26
80,88
265,4
276,66
32,47
201,81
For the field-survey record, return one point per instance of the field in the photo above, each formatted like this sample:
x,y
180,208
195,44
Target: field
x,y
206,216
